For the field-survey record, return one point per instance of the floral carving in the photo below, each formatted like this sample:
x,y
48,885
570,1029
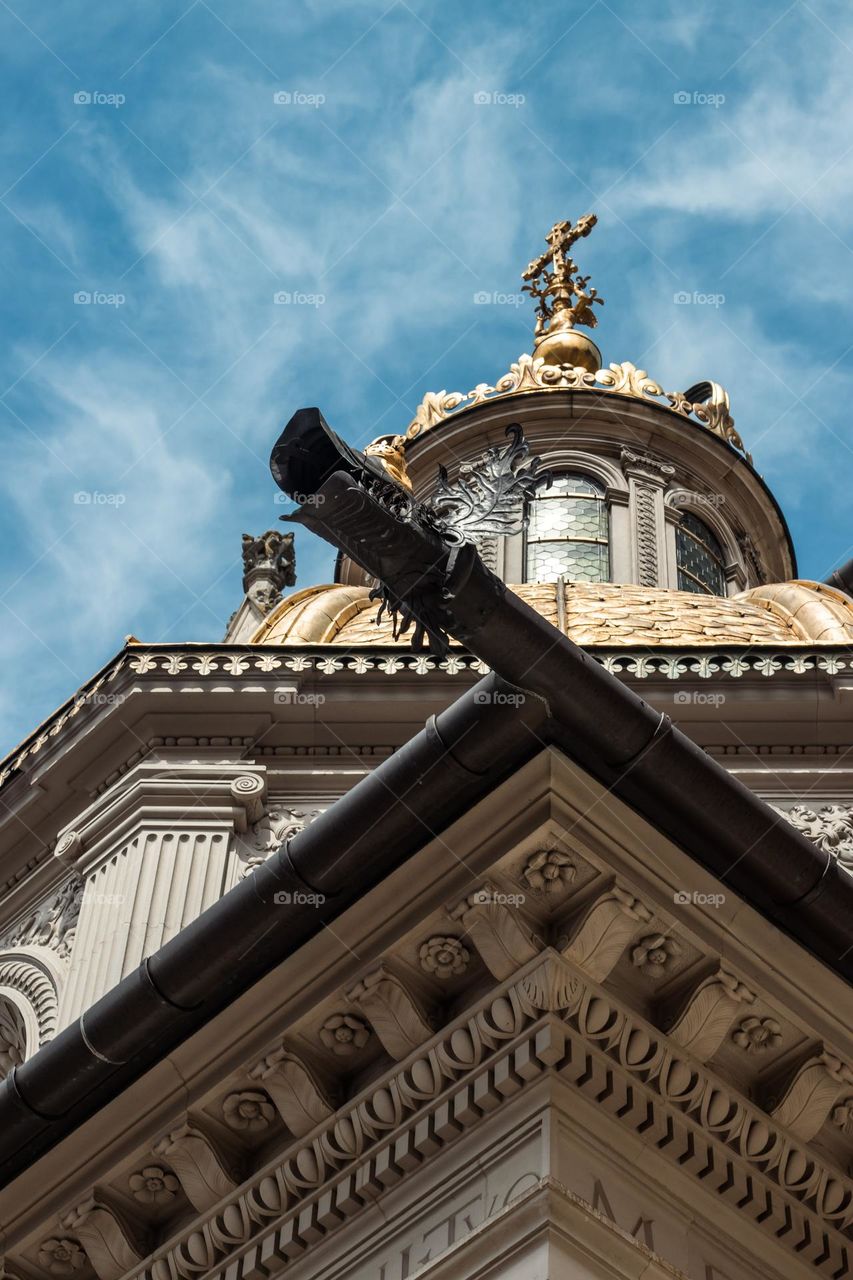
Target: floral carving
x,y
654,955
842,1116
153,1185
249,1111
831,828
549,870
344,1034
444,957
60,1256
13,1038
756,1035
53,922
271,831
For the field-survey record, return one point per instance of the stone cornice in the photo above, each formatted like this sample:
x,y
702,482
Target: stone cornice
x,y
227,667
549,1017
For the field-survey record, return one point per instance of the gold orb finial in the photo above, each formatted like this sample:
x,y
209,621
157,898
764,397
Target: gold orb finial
x,y
565,299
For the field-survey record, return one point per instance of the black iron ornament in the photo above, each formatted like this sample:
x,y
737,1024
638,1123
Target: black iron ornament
x,y
421,552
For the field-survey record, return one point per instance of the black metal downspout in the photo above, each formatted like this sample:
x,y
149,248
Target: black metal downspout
x,y
459,756
637,753
841,578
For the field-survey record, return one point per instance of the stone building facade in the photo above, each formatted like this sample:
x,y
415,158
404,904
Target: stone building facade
x,y
547,1041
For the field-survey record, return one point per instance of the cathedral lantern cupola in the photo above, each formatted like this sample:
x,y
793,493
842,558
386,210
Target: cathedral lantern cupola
x,y
648,520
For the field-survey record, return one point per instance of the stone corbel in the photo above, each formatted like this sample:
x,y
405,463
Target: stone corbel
x,y
606,927
702,1022
204,1170
111,1244
302,1101
497,931
392,1010
808,1095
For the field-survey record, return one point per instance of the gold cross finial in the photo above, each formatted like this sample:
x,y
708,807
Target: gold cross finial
x,y
553,280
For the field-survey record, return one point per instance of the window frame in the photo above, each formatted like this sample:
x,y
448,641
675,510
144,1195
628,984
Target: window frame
x,y
719,559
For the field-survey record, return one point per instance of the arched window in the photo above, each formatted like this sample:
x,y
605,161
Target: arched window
x,y
568,532
700,558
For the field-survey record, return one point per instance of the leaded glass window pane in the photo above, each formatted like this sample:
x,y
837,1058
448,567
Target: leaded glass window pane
x,y
700,558
568,532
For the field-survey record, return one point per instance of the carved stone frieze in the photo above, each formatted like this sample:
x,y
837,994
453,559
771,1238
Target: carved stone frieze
x,y
810,1094
605,929
393,1010
549,1017
704,1019
112,1245
203,1170
61,1256
303,1101
492,921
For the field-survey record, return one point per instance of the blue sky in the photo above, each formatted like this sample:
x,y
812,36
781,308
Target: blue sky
x,y
184,197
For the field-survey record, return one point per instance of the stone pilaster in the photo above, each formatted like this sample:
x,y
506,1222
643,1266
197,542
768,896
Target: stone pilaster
x,y
153,852
647,479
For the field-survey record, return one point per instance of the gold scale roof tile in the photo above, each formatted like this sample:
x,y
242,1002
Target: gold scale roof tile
x,y
597,614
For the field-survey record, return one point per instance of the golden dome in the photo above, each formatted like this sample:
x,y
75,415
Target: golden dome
x,y
595,614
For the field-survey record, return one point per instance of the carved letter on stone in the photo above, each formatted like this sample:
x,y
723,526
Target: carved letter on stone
x,y
301,1100
812,1093
605,930
105,1236
393,1012
496,930
198,1164
710,1010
